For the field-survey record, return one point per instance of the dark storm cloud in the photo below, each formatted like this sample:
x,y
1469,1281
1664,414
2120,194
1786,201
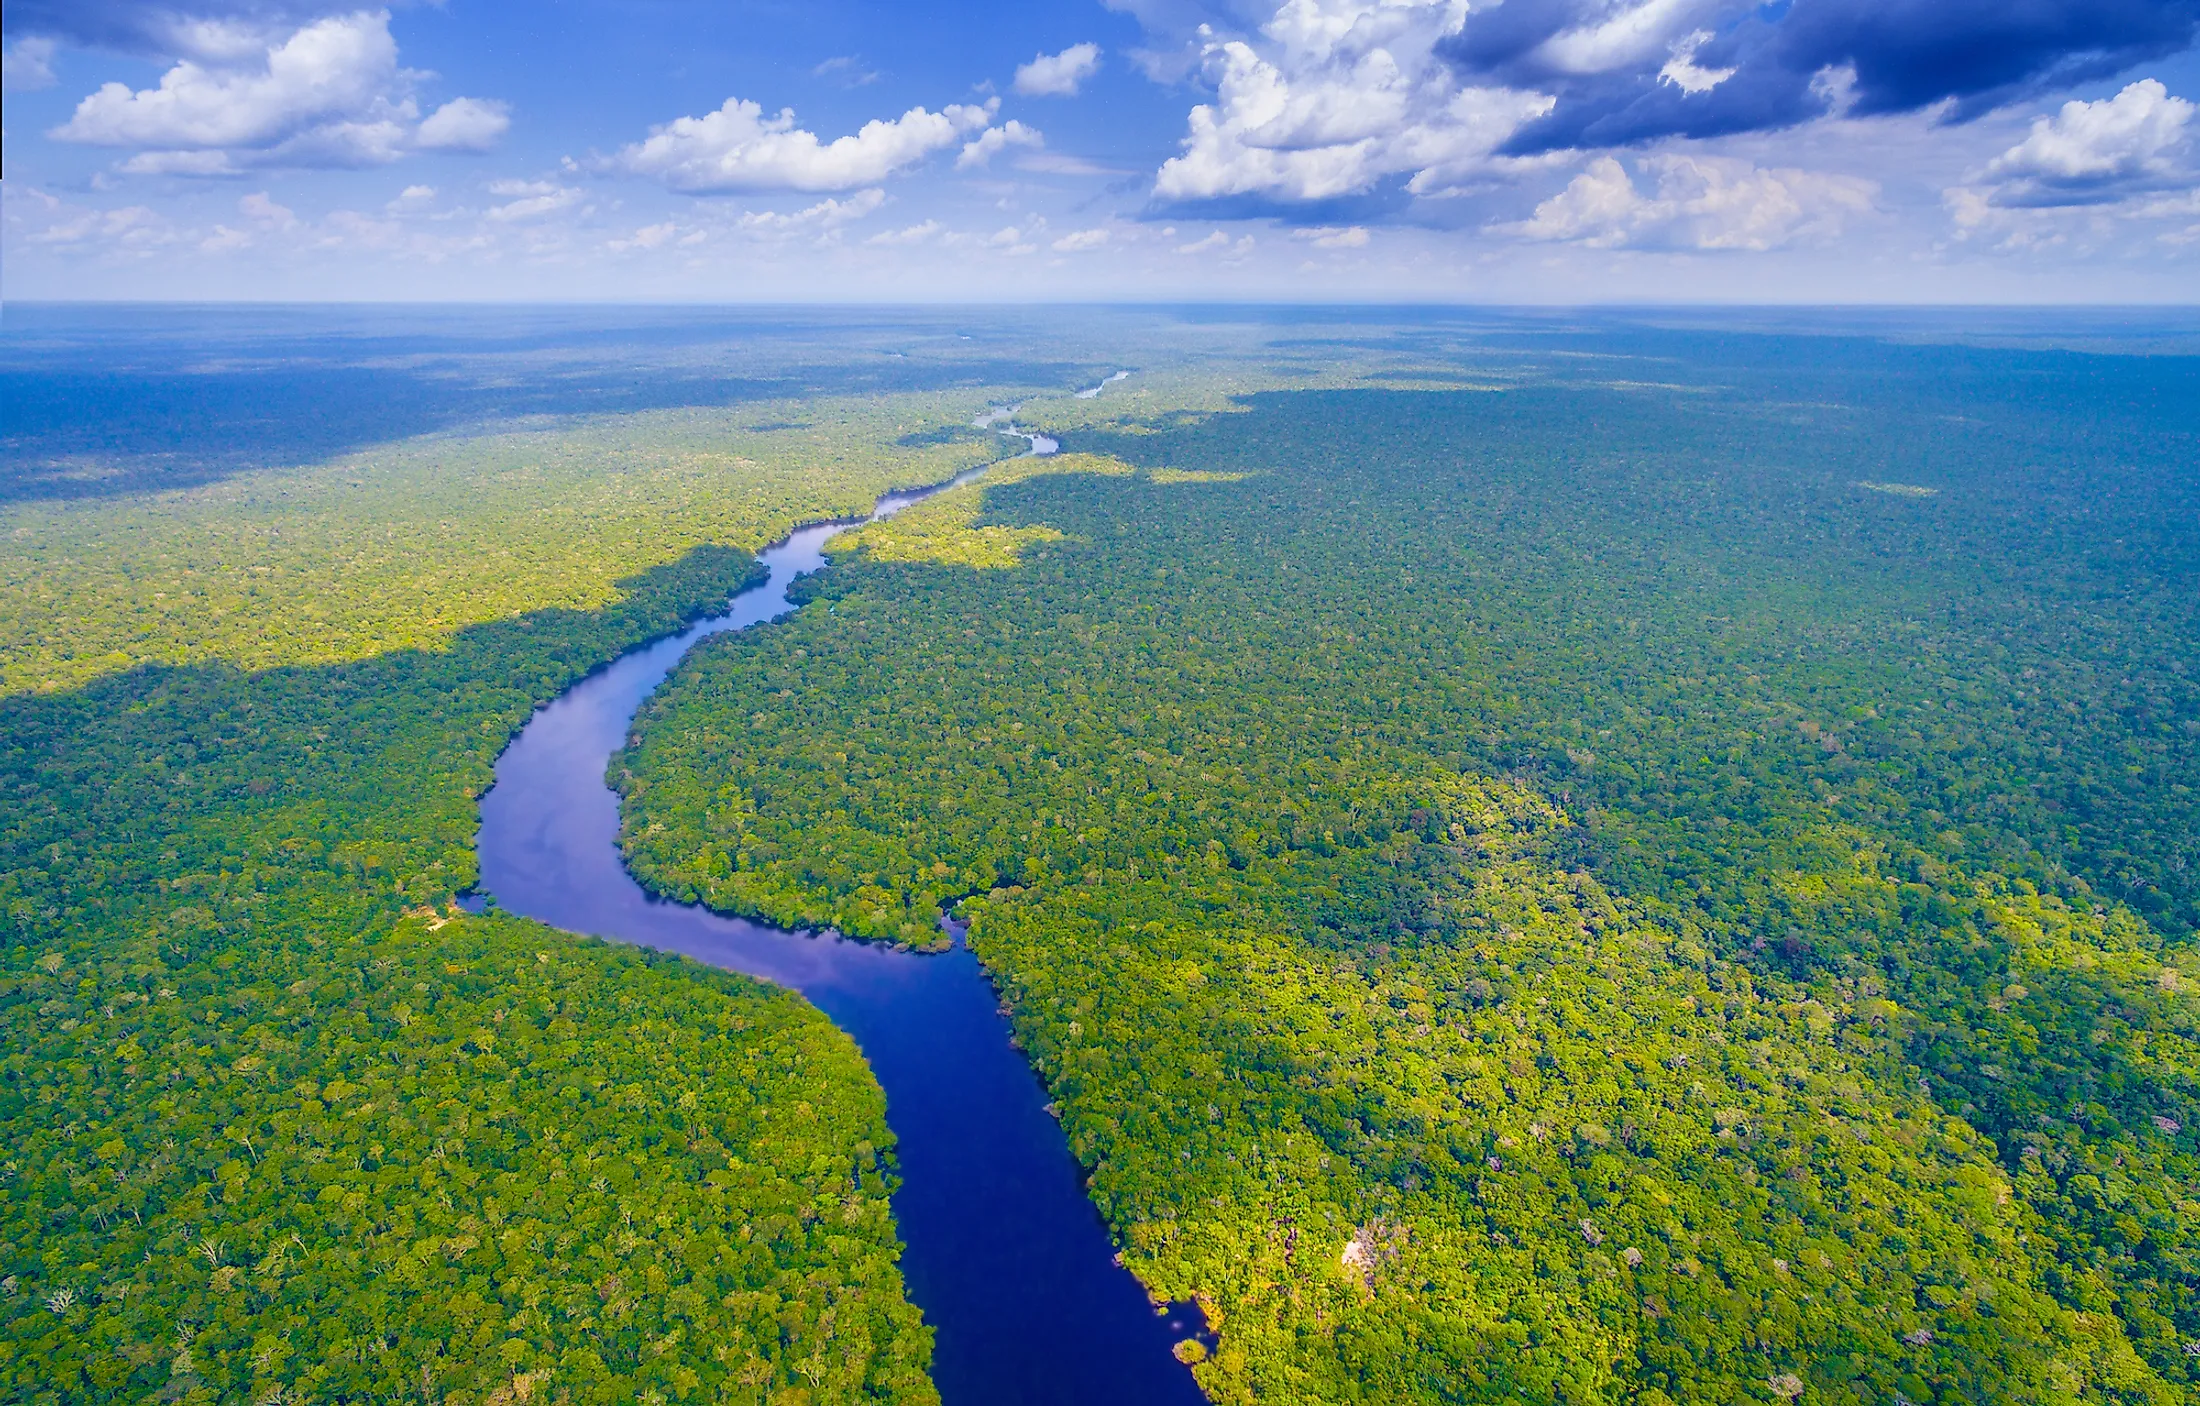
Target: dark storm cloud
x,y
1795,61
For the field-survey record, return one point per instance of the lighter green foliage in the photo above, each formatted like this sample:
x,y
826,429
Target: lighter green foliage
x,y
400,546
945,529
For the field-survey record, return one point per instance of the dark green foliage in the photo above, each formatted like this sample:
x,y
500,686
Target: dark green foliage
x,y
278,1119
434,1165
1505,812
947,434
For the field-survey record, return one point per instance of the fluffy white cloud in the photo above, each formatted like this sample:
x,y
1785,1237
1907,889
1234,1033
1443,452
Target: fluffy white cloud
x,y
1077,241
465,124
27,65
1336,96
2086,177
1702,202
737,148
1622,40
1058,75
328,94
2095,152
336,67
1684,73
1600,207
994,140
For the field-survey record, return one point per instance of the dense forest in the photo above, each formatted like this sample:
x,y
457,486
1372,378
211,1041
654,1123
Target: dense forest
x,y
1674,888
1572,864
282,1123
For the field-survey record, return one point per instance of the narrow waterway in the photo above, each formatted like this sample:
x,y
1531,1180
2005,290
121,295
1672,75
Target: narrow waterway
x,y
1006,1257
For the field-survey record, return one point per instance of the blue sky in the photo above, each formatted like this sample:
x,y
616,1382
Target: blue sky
x,y
1498,150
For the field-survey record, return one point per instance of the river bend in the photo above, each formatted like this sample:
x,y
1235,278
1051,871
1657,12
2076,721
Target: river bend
x,y
1006,1257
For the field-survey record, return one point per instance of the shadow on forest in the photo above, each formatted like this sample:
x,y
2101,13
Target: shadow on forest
x,y
113,792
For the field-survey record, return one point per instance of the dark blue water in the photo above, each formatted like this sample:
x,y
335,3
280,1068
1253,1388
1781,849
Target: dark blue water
x,y
1007,1258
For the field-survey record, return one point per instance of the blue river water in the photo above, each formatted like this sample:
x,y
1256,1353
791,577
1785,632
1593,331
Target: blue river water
x,y
1007,1258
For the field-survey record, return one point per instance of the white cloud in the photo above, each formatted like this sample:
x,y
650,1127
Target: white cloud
x,y
2095,152
530,200
1330,237
130,230
181,163
1055,163
737,148
848,70
1684,73
27,65
2183,206
211,40
1012,240
1078,241
334,67
994,140
262,210
822,220
913,234
647,237
826,214
2079,178
1221,243
327,94
352,230
411,229
1621,40
465,124
1058,75
1336,96
413,197
1835,86
1702,202
263,217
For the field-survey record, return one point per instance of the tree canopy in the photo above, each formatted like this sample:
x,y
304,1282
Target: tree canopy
x,y
1569,894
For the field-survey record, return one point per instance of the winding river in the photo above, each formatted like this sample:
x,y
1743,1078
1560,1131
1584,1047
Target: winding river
x,y
1006,1257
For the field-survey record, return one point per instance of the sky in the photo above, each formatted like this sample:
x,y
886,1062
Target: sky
x,y
1480,151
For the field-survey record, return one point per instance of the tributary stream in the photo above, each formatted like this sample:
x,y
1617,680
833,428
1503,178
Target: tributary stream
x,y
1006,1257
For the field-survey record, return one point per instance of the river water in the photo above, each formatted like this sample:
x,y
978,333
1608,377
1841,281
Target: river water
x,y
1006,1257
